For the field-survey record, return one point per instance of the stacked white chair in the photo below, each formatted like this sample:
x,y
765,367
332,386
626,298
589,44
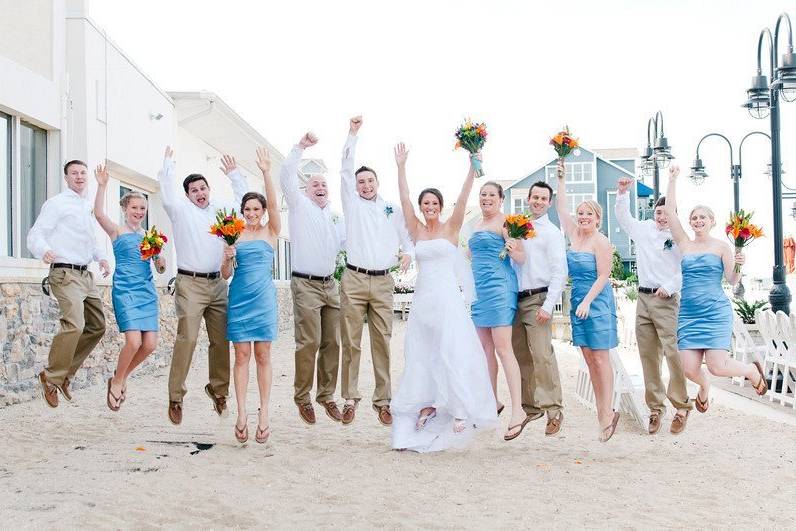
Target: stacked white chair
x,y
744,348
779,333
628,390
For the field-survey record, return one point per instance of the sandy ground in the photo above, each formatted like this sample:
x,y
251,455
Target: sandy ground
x,y
84,466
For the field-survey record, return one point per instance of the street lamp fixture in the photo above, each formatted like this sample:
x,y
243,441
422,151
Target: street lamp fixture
x,y
698,173
657,155
783,84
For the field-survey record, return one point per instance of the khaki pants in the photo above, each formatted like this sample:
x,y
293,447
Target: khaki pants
x,y
364,294
82,322
656,333
196,298
316,316
533,346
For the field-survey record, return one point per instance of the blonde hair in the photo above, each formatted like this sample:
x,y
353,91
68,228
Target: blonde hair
x,y
595,207
129,196
708,211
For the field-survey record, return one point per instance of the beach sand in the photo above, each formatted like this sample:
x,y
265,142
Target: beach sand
x,y
82,465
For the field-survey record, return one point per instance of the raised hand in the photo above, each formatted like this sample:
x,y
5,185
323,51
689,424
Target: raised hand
x,y
354,124
101,173
228,164
401,154
624,185
105,268
561,169
674,171
169,153
308,140
264,160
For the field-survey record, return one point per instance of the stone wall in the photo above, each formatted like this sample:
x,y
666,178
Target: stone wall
x,y
29,320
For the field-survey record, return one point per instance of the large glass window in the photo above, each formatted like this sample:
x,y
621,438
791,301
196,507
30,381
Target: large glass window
x,y
6,240
33,176
123,190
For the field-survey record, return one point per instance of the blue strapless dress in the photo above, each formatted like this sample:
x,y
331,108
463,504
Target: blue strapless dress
x,y
598,330
251,312
705,320
495,281
135,301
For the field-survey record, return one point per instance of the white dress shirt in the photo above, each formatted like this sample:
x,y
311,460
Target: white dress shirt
x,y
375,229
657,266
316,233
66,227
197,249
545,262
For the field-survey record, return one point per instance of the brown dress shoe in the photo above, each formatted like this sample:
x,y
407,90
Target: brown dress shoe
x,y
175,412
307,413
219,402
655,422
349,412
332,411
385,417
48,390
64,388
554,424
678,423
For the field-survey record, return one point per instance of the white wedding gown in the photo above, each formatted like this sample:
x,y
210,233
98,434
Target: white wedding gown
x,y
445,367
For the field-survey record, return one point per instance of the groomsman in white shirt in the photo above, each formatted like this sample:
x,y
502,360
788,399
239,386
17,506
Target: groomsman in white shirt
x,y
541,282
63,236
316,236
375,234
659,280
200,292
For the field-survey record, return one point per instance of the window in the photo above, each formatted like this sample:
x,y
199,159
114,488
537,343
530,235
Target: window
x,y
6,240
575,172
519,201
123,190
33,176
575,199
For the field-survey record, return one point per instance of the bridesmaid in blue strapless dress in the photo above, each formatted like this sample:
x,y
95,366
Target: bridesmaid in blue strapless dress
x,y
135,299
495,281
496,299
704,327
251,309
598,330
593,313
705,320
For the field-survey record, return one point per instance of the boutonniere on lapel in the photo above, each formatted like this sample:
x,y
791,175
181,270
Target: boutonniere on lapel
x,y
335,218
388,210
667,245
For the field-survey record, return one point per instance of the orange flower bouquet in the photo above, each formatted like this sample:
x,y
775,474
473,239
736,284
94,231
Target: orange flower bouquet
x,y
741,231
472,137
518,226
564,143
152,243
228,227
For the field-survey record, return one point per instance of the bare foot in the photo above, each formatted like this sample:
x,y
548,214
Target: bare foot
x,y
459,425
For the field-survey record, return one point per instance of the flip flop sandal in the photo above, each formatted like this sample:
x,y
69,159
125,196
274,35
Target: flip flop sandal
x,y
500,409
111,395
612,427
423,419
762,386
242,435
508,437
260,435
701,406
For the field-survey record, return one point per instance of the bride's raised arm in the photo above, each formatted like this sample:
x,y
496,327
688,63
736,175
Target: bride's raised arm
x,y
412,223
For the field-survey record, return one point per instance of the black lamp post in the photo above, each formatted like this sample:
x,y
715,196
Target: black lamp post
x,y
763,100
698,175
657,154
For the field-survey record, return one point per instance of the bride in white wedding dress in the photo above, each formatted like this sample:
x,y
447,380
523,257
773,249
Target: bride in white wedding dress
x,y
445,393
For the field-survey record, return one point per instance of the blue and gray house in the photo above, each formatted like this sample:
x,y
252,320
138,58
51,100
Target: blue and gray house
x,y
590,175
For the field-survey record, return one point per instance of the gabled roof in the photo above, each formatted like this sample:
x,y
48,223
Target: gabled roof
x,y
594,152
617,153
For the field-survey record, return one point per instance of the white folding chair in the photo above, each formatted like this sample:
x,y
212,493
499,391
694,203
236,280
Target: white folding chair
x,y
744,348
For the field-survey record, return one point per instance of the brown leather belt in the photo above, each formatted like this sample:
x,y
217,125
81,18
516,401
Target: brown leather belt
x,y
194,274
311,277
528,292
59,265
